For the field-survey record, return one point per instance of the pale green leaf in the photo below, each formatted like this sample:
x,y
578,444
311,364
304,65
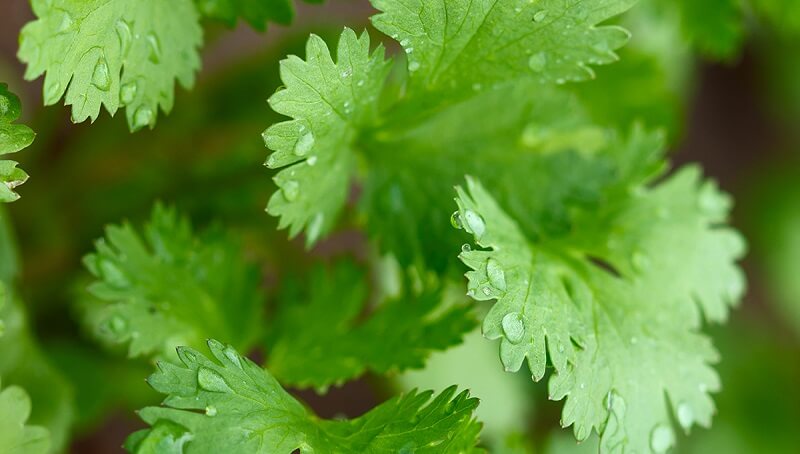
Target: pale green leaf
x,y
329,102
112,53
596,306
16,436
461,45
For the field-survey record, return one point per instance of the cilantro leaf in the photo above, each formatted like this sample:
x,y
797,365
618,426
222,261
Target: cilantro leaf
x,y
13,138
15,436
461,44
230,404
170,287
329,102
112,53
714,27
322,337
255,12
618,338
23,362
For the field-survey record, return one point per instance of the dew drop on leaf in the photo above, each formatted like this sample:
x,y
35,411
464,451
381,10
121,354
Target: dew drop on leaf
x,y
312,161
538,61
413,66
466,248
315,227
514,327
143,117
233,356
661,438
290,190
685,415
128,92
540,16
211,380
124,35
117,325
496,275
474,223
155,48
455,220
211,410
52,91
304,144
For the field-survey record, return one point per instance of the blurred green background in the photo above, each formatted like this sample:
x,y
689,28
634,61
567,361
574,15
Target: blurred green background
x,y
731,103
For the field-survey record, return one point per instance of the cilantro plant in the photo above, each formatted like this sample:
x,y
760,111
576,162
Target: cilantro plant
x,y
491,247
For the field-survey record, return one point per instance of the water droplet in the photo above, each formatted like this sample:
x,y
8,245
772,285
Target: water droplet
x,y
66,22
100,77
455,220
143,117
304,144
52,92
290,190
155,48
560,81
477,87
486,291
514,327
190,356
347,73
561,348
634,340
685,415
405,42
474,223
315,227
211,410
661,438
112,274
117,325
124,35
128,92
538,61
413,66
408,448
360,83
540,16
211,380
348,107
497,277
233,356
466,248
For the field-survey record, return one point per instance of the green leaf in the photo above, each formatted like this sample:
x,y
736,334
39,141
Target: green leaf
x,y
171,287
715,27
455,46
596,306
22,362
322,336
255,12
112,53
329,102
229,404
15,436
13,138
